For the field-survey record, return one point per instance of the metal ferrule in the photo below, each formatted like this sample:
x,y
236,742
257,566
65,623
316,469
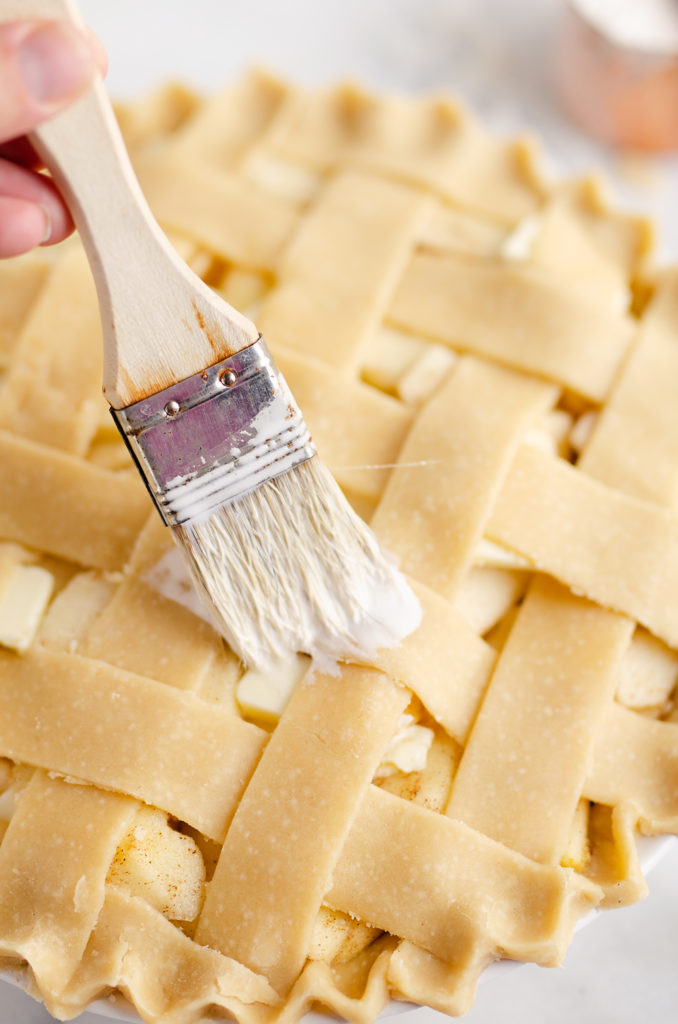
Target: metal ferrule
x,y
211,438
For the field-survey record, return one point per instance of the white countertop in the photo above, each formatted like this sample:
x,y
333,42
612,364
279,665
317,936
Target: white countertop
x,y
623,968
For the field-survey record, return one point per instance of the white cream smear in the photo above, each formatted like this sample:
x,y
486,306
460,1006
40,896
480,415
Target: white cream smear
x,y
171,579
390,612
290,568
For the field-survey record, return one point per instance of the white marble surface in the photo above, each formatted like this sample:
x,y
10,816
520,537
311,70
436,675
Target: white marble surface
x,y
497,54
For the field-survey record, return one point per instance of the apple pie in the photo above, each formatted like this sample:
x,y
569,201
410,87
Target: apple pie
x,y
489,367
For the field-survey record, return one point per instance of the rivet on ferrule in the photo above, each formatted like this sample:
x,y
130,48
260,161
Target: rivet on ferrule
x,y
212,437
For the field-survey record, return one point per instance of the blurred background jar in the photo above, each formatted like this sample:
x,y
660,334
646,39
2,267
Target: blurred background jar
x,y
617,71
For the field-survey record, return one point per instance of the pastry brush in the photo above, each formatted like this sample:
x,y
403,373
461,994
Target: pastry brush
x,y
270,541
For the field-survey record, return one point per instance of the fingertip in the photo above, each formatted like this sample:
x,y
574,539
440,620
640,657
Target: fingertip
x,y
28,199
24,225
58,221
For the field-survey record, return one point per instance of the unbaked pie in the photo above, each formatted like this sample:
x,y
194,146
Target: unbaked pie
x,y
490,370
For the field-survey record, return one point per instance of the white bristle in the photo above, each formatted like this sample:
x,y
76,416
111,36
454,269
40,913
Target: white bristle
x,y
291,567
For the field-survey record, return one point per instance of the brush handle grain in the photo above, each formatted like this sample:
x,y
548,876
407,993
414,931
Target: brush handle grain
x,y
160,322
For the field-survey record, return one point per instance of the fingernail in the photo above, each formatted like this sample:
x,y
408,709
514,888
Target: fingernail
x,y
55,61
48,224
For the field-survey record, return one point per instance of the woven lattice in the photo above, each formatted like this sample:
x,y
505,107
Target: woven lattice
x,y
491,373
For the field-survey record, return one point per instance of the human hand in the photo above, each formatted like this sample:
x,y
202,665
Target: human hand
x,y
44,66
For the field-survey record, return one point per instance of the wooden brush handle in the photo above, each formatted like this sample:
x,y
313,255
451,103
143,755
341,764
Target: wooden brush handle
x,y
160,322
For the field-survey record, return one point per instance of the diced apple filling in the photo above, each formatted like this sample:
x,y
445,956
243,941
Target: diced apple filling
x,y
336,936
160,865
24,595
648,673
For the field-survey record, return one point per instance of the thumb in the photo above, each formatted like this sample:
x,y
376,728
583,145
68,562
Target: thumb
x,y
44,65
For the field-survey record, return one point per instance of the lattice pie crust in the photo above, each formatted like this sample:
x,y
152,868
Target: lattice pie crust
x,y
491,374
